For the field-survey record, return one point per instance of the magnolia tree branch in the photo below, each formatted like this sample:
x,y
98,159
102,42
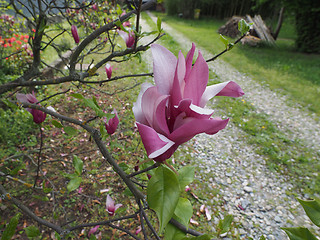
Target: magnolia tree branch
x,y
7,196
33,72
95,134
226,50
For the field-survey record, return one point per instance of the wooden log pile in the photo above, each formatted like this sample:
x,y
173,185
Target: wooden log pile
x,y
260,28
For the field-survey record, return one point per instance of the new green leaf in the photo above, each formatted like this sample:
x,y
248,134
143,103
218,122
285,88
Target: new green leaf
x,y
74,184
56,124
11,228
183,211
243,26
299,234
173,233
70,130
312,209
186,176
78,164
159,24
32,231
163,194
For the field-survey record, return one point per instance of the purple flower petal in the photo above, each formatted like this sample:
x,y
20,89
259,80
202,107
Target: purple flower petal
x,y
229,89
164,66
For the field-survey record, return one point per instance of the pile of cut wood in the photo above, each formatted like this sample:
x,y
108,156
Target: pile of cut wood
x,y
258,32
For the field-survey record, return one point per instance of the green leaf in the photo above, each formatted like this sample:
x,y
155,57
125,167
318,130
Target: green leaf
x,y
74,183
56,124
159,24
163,194
299,233
243,26
312,209
183,211
90,103
70,130
78,164
77,95
32,231
186,176
173,233
224,41
95,101
225,224
11,228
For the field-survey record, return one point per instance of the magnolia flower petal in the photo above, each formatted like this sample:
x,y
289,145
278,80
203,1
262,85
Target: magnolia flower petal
x,y
164,66
75,34
197,80
153,108
137,106
22,98
189,59
109,202
229,89
124,35
192,110
113,123
194,126
154,143
178,82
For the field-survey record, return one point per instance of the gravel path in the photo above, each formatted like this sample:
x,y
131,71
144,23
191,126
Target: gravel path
x,y
253,194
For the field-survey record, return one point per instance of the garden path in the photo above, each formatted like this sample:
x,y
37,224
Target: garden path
x,y
256,196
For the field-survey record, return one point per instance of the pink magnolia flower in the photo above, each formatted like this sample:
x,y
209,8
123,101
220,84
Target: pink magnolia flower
x,y
172,112
112,124
108,70
93,230
38,116
110,207
95,7
128,37
74,32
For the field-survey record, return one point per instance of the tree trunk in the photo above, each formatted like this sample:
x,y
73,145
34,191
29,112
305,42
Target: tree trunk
x,y
280,20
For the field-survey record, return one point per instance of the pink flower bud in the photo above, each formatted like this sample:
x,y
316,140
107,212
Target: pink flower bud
x,y
95,7
128,37
38,116
74,32
93,230
108,70
112,124
110,206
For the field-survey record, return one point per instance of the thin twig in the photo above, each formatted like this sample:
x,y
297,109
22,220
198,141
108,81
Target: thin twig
x,y
157,164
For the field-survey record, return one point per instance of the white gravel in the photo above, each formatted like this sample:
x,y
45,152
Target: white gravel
x,y
253,194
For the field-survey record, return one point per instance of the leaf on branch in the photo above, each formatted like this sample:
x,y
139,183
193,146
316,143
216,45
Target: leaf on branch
x,y
32,231
56,124
186,176
78,165
299,233
163,194
11,228
183,211
159,25
173,233
70,130
77,95
243,26
74,184
312,209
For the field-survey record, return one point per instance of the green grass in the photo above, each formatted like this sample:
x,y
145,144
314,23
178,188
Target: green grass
x,y
280,68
